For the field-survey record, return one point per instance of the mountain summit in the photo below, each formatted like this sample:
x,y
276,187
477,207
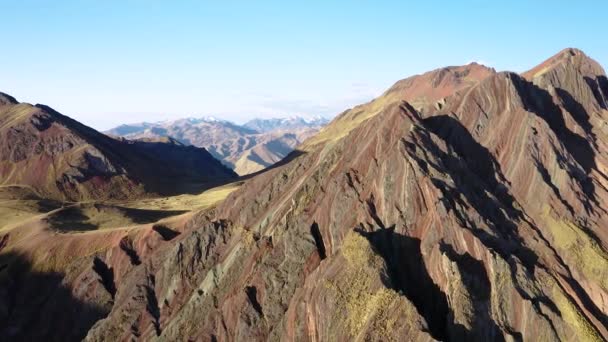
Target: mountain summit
x,y
463,204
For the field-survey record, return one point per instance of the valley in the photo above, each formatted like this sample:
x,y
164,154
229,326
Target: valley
x,y
461,204
247,148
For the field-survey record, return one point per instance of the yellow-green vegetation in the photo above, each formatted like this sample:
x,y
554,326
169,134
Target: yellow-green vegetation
x,y
358,252
251,162
86,217
59,258
248,237
95,216
18,204
350,120
200,201
57,252
460,299
361,296
586,255
571,315
13,212
13,114
502,289
541,72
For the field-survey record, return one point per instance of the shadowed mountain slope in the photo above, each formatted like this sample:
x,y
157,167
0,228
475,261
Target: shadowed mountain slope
x,y
478,214
59,158
246,149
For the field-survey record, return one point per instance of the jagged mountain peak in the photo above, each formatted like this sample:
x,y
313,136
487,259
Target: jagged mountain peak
x,y
568,58
479,219
575,79
500,191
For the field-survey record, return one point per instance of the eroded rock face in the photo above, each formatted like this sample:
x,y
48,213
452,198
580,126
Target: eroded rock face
x,y
480,219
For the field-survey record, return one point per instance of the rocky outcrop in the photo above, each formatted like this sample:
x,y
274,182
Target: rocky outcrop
x,y
478,219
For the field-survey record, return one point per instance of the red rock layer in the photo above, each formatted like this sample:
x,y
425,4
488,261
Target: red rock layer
x,y
480,218
62,159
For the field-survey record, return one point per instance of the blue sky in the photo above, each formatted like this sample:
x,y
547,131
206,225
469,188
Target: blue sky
x,y
111,62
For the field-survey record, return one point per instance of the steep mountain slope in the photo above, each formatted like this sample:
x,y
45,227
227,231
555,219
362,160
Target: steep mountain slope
x,y
61,159
424,91
477,214
246,149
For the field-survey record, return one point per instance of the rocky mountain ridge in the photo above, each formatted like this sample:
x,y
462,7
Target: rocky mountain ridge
x,y
461,205
59,158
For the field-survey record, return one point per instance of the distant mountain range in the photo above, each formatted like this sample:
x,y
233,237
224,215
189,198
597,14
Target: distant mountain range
x,y
463,204
245,148
291,123
60,158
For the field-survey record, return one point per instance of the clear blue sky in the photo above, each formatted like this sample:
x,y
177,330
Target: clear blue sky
x,y
111,62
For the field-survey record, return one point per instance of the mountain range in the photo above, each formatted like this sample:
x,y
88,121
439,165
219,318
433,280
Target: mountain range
x,y
247,148
59,158
463,204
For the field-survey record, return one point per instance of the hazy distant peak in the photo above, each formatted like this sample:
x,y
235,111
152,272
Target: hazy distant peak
x,y
211,119
204,119
293,122
247,148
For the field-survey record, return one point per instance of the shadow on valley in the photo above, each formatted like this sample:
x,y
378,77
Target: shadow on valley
x,y
37,306
166,233
288,158
408,274
86,217
275,146
164,167
186,169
